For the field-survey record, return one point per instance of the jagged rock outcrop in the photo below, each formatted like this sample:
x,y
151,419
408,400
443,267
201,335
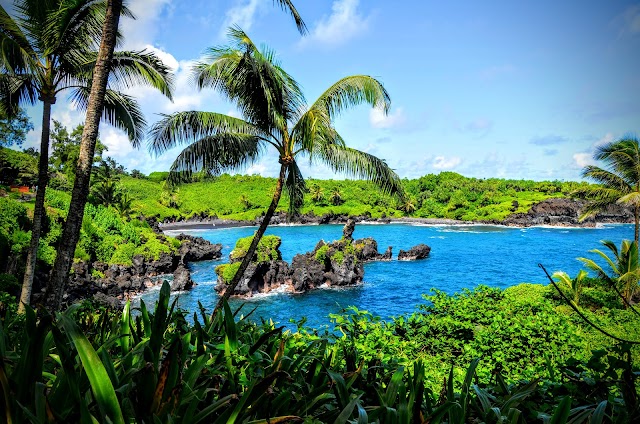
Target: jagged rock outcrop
x,y
181,279
367,250
195,249
420,251
329,264
566,212
110,284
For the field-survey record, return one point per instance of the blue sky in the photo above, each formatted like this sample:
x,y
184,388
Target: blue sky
x,y
506,89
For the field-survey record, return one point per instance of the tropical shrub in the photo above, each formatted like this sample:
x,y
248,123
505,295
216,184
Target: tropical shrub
x,y
268,249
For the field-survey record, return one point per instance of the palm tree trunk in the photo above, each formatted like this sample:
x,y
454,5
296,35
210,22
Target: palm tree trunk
x,y
71,231
256,239
636,215
38,211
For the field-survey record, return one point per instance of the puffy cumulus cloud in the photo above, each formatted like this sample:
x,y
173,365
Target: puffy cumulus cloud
x,y
148,22
548,140
185,95
344,23
443,163
167,58
378,119
606,139
242,14
583,159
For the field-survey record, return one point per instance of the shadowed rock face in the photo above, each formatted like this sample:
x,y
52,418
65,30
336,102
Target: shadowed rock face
x,y
420,251
195,249
567,212
333,264
111,284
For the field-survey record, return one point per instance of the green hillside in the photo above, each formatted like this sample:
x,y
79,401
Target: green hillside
x,y
446,195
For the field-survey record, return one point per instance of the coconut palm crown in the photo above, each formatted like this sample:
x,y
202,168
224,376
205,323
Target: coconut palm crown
x,y
50,46
275,115
624,268
619,179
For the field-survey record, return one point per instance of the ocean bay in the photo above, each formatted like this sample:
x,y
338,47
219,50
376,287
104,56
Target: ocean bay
x,y
462,256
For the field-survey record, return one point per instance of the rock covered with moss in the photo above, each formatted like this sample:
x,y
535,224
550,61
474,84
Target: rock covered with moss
x,y
329,264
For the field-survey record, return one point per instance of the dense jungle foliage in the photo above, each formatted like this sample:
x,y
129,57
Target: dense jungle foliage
x,y
486,355
446,195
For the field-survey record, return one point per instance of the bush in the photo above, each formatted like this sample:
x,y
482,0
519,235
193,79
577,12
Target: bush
x,y
268,248
152,249
227,271
321,253
123,254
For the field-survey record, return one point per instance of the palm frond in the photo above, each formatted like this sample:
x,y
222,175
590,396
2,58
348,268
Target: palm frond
x,y
17,90
605,177
288,5
186,127
213,154
296,187
263,92
313,130
362,165
16,53
352,91
120,110
73,24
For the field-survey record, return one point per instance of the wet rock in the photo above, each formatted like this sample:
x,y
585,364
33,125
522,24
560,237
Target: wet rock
x,y
194,249
367,250
181,279
347,231
420,251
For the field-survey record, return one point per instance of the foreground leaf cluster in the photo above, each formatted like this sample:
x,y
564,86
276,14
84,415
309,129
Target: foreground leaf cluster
x,y
138,366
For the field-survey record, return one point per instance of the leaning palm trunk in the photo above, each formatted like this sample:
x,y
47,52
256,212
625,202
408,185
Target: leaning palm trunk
x,y
256,239
71,231
38,211
636,217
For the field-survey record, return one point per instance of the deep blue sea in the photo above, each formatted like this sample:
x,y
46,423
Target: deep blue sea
x,y
461,257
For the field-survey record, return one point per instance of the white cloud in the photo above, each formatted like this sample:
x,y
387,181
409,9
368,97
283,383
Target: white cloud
x,y
242,15
583,159
606,139
378,119
441,162
344,23
146,25
167,58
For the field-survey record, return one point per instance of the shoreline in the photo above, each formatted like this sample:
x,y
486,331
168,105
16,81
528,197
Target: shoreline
x,y
228,223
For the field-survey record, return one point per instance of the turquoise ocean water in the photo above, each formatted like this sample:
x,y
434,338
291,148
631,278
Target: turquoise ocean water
x,y
461,257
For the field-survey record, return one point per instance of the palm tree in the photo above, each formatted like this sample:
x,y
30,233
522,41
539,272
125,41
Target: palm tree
x,y
624,266
317,193
336,197
275,116
619,179
50,47
573,285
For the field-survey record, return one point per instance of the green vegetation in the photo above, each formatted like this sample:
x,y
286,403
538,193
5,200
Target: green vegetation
x,y
274,114
480,356
446,195
618,181
268,249
227,271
